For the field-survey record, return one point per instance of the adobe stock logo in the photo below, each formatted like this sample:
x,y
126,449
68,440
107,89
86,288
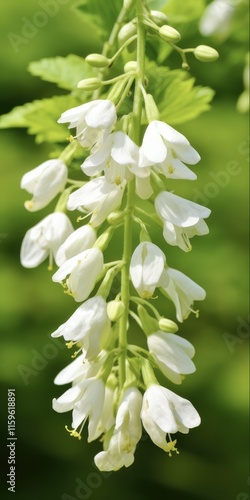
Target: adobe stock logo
x,y
31,26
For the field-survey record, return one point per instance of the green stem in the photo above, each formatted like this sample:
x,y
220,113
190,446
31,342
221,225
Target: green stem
x,y
128,220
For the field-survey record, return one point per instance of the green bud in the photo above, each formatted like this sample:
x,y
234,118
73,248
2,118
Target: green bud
x,y
89,84
158,17
149,324
151,108
130,66
104,239
168,326
115,310
169,34
126,32
97,60
114,218
205,53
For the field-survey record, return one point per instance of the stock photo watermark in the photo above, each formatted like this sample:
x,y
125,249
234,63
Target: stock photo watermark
x,y
232,340
40,360
221,180
11,440
31,25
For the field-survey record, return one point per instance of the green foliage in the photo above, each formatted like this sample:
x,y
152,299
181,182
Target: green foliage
x,y
40,117
179,11
176,95
66,72
98,15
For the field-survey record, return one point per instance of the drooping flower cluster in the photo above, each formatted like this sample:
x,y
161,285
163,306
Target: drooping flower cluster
x,y
114,385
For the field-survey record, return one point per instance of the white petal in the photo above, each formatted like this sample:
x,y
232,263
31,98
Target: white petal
x,y
124,150
73,115
83,238
77,368
143,187
179,211
102,115
153,146
67,400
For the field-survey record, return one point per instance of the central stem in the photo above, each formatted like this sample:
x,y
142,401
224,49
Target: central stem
x,y
128,221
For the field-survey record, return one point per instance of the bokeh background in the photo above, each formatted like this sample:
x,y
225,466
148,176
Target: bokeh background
x,y
213,460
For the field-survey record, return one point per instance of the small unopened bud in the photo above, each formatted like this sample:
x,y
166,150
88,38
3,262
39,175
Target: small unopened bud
x,y
205,53
89,84
115,218
126,32
158,17
130,66
97,60
115,310
169,34
168,326
104,239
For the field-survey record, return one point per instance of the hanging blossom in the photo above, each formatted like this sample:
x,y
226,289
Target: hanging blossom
x,y
167,151
89,326
44,239
44,183
164,413
173,355
93,121
98,198
182,219
81,239
148,270
81,273
127,432
217,18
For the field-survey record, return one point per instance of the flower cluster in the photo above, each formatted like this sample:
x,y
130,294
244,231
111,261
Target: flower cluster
x,y
114,383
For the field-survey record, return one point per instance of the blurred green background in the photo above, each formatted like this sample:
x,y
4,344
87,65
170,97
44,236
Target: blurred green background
x,y
213,460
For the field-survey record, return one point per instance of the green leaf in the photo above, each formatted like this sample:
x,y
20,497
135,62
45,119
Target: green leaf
x,y
40,118
99,14
176,95
180,11
66,72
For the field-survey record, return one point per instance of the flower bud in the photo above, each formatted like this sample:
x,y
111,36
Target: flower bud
x,y
114,218
89,84
130,66
158,17
168,326
126,32
104,239
169,34
205,53
115,310
97,60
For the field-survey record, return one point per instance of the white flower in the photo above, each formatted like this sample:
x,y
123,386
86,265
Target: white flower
x,y
166,149
163,412
79,370
44,239
146,268
182,219
115,157
83,271
127,433
88,325
86,399
98,197
83,238
44,182
173,355
93,121
217,17
183,292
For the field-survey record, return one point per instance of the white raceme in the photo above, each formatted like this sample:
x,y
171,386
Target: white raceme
x,y
167,151
81,273
126,434
89,325
164,412
93,121
182,291
146,268
83,238
173,355
79,370
44,183
182,219
98,198
44,239
115,157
